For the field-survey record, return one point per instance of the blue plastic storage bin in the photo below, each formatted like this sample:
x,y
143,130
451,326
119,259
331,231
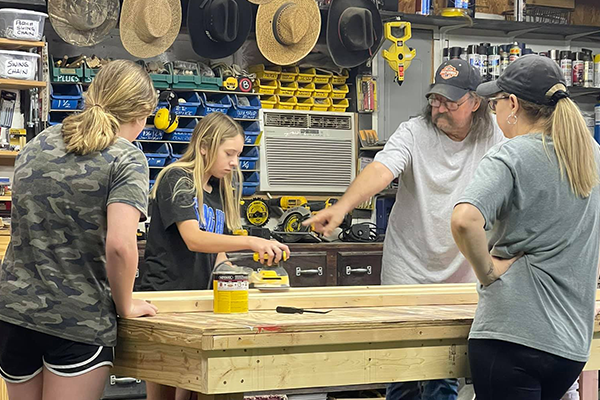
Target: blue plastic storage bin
x,y
251,177
66,97
150,133
214,103
153,175
249,154
184,130
189,108
244,112
156,153
55,117
251,132
249,188
246,165
177,150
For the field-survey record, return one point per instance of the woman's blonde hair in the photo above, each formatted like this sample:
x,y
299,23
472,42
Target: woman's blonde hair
x,y
573,142
209,134
122,92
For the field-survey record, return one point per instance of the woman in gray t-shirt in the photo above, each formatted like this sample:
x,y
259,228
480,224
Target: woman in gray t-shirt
x,y
528,224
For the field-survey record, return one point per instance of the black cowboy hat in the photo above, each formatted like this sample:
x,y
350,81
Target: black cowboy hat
x,y
218,28
354,31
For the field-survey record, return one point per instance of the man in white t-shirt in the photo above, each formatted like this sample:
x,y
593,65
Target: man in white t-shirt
x,y
434,156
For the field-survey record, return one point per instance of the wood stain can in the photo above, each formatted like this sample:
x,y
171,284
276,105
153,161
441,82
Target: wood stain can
x,y
230,291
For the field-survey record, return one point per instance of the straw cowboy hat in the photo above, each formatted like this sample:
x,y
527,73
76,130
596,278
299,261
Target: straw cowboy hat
x,y
287,30
149,27
218,28
83,22
354,31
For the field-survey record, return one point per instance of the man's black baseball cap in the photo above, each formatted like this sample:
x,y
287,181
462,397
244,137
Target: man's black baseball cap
x,y
454,79
529,78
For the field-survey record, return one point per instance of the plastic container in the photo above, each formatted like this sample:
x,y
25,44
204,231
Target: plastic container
x,y
242,111
22,24
246,165
265,86
160,81
306,75
339,105
286,88
268,102
18,65
249,188
177,150
339,91
305,89
251,133
187,108
322,76
57,117
153,175
65,97
150,133
265,72
184,130
322,91
251,177
65,75
286,103
288,74
214,103
322,104
156,153
305,104
249,154
341,78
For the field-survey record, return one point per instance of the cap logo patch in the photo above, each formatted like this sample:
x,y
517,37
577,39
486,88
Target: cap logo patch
x,y
449,71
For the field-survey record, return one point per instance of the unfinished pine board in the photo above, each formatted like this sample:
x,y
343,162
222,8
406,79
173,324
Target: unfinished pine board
x,y
265,351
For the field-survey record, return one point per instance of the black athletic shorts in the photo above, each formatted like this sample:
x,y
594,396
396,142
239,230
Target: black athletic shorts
x,y
24,352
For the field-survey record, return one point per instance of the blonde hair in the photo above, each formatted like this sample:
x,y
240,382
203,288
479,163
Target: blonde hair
x,y
209,134
122,92
573,143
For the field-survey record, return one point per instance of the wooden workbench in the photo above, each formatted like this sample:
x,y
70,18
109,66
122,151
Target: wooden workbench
x,y
373,335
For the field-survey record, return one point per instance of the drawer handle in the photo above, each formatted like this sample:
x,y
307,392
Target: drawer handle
x,y
300,271
350,270
122,381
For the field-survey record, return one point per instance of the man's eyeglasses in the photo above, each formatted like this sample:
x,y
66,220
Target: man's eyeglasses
x,y
450,105
493,101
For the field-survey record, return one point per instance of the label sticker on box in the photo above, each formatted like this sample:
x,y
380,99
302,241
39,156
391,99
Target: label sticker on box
x,y
19,69
26,29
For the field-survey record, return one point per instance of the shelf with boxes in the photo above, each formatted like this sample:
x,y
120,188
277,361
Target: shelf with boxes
x,y
299,88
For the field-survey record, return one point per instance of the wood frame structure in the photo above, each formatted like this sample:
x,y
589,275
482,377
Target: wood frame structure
x,y
374,335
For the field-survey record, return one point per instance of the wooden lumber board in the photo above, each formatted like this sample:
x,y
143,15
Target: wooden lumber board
x,y
194,329
334,297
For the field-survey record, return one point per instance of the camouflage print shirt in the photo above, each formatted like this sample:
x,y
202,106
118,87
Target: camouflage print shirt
x,y
53,278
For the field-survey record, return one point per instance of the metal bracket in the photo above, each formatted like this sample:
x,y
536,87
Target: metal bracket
x,y
444,30
570,38
515,34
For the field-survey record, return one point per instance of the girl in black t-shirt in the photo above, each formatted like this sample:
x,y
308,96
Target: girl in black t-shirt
x,y
194,203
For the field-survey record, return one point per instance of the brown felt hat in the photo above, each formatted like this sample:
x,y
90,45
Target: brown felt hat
x,y
287,30
149,27
83,22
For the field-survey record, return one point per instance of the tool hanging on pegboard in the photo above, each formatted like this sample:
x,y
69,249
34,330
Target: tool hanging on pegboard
x,y
399,55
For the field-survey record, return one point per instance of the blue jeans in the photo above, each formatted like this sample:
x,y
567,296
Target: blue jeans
x,y
442,389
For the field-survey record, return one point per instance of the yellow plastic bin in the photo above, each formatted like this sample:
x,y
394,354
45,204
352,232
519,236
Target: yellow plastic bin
x,y
268,101
305,89
341,78
339,91
322,104
322,76
288,74
265,87
267,73
322,91
286,103
305,104
339,105
306,75
286,88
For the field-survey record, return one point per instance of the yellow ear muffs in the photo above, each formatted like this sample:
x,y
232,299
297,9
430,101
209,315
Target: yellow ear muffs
x,y
165,120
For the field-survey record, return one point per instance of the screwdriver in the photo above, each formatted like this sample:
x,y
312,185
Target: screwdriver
x,y
294,310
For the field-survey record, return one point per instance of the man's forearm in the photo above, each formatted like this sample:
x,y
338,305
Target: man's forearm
x,y
372,180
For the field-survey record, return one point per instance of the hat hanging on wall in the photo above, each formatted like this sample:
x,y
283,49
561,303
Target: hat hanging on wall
x,y
149,27
287,30
218,28
83,22
354,31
